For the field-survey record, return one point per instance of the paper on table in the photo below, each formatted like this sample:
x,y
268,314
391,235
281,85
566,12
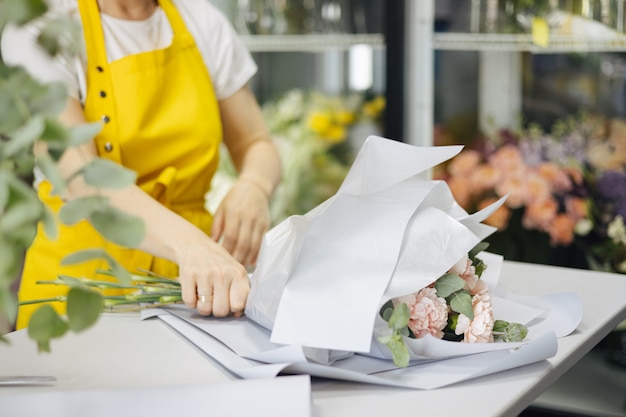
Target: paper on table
x,y
288,396
386,232
222,342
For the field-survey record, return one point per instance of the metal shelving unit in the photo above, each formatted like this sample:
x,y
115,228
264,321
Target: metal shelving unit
x,y
524,43
311,43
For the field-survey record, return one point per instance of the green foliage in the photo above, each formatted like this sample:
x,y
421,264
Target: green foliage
x,y
29,117
397,320
46,324
509,332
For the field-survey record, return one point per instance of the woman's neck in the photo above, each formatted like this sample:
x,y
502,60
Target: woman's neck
x,y
128,9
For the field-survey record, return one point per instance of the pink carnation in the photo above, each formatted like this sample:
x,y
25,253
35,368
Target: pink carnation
x,y
428,313
480,329
466,270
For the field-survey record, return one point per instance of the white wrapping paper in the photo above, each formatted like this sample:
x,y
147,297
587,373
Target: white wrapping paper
x,y
322,277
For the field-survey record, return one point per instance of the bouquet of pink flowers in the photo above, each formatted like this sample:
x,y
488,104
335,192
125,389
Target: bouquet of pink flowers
x,y
456,307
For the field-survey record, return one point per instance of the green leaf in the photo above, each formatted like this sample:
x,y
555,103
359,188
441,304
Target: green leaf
x,y
21,11
400,317
76,210
9,260
84,133
55,134
118,227
46,324
448,284
52,173
461,302
24,138
5,174
84,256
103,173
90,254
399,351
83,307
480,247
509,332
61,34
49,223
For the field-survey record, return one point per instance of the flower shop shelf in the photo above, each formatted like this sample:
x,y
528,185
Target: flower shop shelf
x,y
310,43
525,43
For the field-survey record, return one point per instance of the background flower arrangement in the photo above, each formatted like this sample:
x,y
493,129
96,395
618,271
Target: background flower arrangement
x,y
566,202
318,136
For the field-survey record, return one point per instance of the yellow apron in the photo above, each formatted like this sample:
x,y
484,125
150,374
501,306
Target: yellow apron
x,y
162,121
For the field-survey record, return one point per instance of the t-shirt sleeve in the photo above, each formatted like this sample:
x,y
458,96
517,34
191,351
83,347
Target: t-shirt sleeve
x,y
229,62
20,48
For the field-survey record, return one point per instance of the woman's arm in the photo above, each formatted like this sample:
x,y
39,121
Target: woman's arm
x,y
243,216
204,266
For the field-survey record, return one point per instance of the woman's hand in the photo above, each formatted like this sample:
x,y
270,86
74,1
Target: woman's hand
x,y
212,281
242,219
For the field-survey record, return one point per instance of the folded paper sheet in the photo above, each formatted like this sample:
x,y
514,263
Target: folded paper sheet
x,y
322,277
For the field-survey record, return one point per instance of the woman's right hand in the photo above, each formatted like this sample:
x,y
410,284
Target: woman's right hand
x,y
212,281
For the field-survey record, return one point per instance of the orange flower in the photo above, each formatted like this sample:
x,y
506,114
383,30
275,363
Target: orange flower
x,y
562,230
556,177
499,218
540,213
508,158
537,187
515,187
576,208
484,177
464,163
461,189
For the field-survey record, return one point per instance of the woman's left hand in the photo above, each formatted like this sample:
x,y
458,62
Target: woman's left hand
x,y
241,220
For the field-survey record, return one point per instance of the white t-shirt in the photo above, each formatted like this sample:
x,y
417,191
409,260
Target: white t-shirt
x,y
227,59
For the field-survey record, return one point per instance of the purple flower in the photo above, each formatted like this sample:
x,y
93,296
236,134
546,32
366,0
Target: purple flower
x,y
611,185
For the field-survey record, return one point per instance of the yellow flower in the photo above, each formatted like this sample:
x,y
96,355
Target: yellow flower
x,y
334,134
345,117
373,107
319,122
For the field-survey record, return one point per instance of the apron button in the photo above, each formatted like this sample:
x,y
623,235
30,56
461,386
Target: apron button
x,y
106,119
108,146
103,94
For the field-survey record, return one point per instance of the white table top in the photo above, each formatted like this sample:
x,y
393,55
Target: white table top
x,y
122,351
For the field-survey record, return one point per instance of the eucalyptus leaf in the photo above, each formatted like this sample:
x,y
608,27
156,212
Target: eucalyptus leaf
x,y
81,134
98,253
461,302
21,11
448,284
8,303
9,260
400,317
47,99
5,175
399,351
25,137
61,34
83,307
12,116
52,173
118,227
55,134
103,173
49,223
46,324
81,208
84,256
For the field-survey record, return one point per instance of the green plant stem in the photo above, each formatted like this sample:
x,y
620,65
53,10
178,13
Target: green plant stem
x,y
60,298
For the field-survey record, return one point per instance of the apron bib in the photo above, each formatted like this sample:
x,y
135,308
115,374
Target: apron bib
x,y
161,119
